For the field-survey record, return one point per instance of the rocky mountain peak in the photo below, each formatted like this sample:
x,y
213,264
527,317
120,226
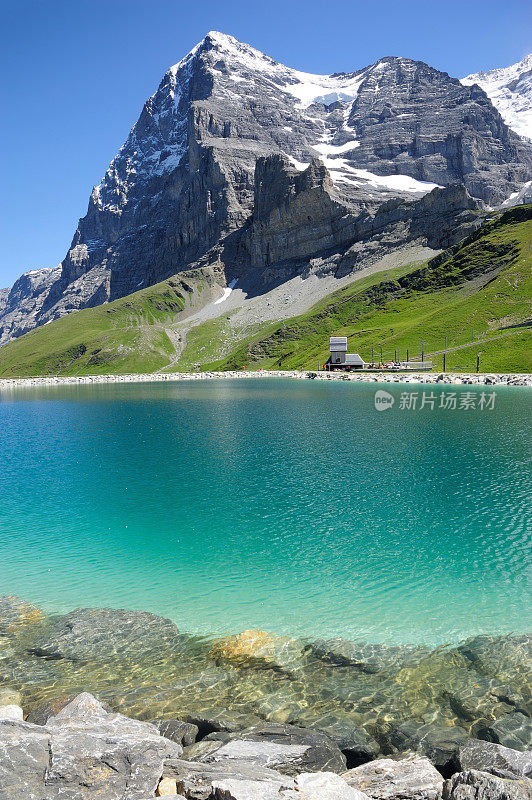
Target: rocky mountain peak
x,y
232,138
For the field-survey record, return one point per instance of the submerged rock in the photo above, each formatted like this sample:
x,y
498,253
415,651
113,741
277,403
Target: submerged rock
x,y
9,697
475,785
490,757
511,730
410,778
221,720
501,656
255,649
348,734
369,658
96,634
16,613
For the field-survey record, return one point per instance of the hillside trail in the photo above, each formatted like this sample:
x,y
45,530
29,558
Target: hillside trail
x,y
470,344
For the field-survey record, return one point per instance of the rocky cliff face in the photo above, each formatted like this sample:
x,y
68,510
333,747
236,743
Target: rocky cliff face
x,y
184,187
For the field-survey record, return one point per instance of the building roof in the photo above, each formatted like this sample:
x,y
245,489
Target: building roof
x,y
354,359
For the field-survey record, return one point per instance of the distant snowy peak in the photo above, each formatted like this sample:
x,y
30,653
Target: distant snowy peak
x,y
510,91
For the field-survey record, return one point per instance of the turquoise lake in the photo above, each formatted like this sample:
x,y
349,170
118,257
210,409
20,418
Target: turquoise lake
x,y
291,506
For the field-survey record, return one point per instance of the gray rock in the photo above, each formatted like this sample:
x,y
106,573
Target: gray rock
x,y
409,778
169,797
12,712
196,779
323,785
285,748
474,785
24,761
510,730
490,757
98,634
237,789
41,713
83,752
184,733
439,743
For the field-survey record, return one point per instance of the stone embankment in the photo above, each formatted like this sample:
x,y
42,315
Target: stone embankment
x,y
456,378
85,751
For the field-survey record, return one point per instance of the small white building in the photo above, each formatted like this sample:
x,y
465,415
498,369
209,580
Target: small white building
x,y
340,358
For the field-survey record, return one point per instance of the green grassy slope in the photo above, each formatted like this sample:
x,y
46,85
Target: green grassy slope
x,y
127,335
480,290
477,291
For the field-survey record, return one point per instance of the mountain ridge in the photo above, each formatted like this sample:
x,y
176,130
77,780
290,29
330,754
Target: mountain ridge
x,y
181,191
478,289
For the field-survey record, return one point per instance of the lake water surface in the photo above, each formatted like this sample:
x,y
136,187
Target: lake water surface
x,y
290,506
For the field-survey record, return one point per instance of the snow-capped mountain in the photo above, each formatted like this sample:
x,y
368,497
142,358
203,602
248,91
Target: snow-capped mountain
x,y
195,180
510,91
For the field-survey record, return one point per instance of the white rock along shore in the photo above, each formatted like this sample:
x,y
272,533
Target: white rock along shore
x,y
457,378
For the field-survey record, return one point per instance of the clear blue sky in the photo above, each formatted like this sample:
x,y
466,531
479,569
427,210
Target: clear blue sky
x,y
75,74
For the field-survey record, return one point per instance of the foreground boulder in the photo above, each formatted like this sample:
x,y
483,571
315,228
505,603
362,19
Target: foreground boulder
x,y
238,779
41,713
84,752
243,780
97,634
409,778
325,785
490,757
285,748
474,785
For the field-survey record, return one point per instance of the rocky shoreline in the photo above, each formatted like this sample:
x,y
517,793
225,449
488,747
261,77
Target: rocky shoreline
x,y
453,378
254,716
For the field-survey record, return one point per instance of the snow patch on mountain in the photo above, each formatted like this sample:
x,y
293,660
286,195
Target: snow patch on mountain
x,y
342,171
510,91
524,195
325,89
